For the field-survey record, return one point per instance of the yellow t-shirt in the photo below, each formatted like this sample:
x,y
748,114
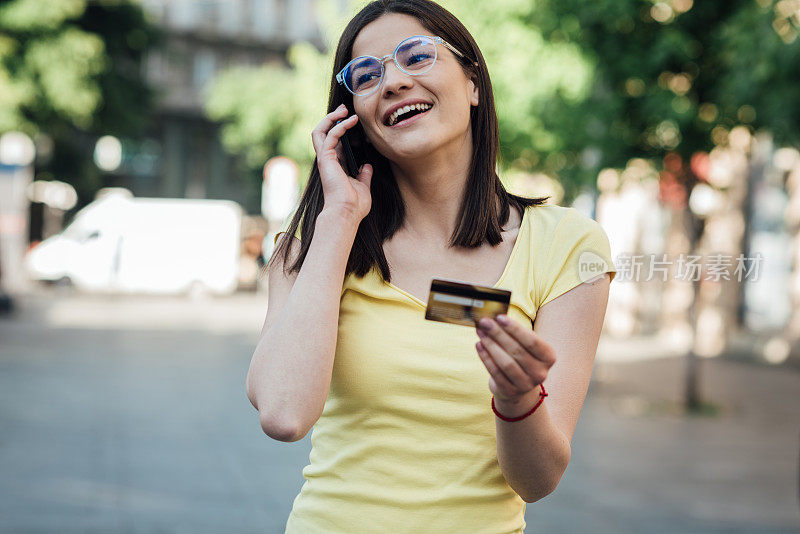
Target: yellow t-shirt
x,y
406,442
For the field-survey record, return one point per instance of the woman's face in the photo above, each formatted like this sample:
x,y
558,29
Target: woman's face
x,y
445,86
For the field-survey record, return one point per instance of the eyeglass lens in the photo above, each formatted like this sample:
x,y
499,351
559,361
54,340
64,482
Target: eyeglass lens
x,y
414,55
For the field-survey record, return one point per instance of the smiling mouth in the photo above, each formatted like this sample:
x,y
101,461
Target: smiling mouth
x,y
405,113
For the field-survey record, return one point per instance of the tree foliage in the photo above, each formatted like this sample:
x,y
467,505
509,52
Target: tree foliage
x,y
669,73
70,70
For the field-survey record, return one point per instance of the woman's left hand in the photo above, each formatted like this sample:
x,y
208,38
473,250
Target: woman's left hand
x,y
517,358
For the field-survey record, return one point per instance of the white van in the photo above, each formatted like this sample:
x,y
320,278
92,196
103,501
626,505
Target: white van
x,y
145,245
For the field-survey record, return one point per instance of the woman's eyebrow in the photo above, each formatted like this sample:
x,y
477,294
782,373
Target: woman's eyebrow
x,y
408,45
360,63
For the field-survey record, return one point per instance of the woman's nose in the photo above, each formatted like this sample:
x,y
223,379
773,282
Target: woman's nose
x,y
395,79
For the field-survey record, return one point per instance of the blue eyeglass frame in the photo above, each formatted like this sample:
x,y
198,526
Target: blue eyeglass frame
x,y
436,41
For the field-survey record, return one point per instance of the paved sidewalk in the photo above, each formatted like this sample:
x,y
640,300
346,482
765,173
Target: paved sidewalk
x,y
638,465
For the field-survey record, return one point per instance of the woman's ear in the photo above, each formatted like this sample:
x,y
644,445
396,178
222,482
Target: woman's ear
x,y
474,98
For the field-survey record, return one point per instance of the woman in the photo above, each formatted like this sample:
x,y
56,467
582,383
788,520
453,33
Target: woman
x,y
407,435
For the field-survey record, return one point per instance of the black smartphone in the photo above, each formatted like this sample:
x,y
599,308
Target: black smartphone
x,y
351,167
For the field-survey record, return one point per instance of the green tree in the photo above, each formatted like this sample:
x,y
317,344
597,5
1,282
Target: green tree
x,y
675,76
70,71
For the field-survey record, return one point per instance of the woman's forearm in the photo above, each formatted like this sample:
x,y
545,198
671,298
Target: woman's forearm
x,y
293,361
533,453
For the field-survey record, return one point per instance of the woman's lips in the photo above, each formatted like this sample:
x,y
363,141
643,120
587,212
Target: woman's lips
x,y
412,120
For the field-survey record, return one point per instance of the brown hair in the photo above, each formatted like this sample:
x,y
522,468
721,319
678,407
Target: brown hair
x,y
479,218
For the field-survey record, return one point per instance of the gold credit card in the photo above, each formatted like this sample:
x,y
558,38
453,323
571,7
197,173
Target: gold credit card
x,y
451,301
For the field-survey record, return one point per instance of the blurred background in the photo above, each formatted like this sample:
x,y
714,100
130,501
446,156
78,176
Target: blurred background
x,y
150,149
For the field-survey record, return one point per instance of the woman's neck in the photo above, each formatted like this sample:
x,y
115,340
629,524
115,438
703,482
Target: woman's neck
x,y
432,188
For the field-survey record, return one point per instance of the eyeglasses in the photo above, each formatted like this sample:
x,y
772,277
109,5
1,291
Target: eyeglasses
x,y
415,55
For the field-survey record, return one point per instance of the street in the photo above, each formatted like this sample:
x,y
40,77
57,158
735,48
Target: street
x,y
128,414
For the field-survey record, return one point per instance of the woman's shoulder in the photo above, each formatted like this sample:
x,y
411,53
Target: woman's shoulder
x,y
554,226
545,219
553,212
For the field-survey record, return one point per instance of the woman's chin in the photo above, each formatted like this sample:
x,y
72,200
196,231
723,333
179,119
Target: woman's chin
x,y
410,155
412,150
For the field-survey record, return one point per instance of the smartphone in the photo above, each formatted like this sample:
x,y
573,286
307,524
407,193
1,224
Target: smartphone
x,y
351,168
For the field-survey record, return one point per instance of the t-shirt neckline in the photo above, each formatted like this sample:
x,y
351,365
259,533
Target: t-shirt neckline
x,y
517,244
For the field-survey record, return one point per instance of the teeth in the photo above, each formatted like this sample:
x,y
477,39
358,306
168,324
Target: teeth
x,y
406,109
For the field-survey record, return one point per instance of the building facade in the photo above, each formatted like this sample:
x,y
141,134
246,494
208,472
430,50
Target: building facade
x,y
184,157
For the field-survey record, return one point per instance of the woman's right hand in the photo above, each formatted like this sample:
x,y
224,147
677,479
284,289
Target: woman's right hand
x,y
351,196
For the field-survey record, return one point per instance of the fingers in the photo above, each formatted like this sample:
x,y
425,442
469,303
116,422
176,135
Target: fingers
x,y
522,358
365,174
500,379
335,133
319,133
530,341
340,155
511,367
327,158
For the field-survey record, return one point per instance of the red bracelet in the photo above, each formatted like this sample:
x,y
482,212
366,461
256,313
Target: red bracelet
x,y
542,395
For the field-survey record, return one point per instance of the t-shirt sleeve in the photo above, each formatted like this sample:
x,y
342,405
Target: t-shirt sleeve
x,y
580,251
285,226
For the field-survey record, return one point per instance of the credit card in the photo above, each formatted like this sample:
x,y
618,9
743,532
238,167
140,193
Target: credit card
x,y
456,302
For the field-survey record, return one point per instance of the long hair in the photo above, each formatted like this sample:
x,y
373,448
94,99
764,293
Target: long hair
x,y
480,218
